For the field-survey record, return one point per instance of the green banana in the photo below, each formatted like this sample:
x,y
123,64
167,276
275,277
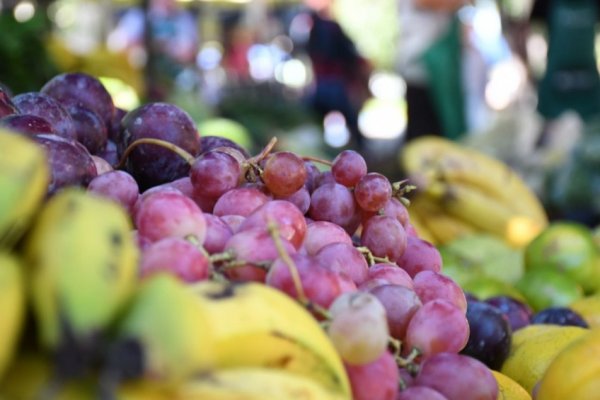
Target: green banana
x,y
24,177
174,337
12,304
82,263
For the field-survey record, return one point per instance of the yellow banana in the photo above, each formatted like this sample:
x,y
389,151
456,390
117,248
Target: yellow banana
x,y
417,222
83,266
235,384
436,158
442,225
175,337
485,213
259,326
12,306
24,177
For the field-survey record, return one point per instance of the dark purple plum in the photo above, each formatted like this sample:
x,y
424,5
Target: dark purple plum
x,y
110,153
114,130
70,162
46,107
27,123
83,90
150,164
91,130
559,316
490,335
517,312
208,143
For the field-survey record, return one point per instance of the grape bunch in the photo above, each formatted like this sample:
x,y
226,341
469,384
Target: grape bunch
x,y
331,234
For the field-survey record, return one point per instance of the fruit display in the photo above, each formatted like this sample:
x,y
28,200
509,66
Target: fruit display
x,y
141,259
461,190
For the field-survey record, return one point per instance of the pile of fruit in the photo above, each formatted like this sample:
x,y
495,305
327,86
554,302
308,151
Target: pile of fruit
x,y
140,259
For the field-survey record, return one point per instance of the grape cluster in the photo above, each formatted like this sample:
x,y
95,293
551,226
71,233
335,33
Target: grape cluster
x,y
333,235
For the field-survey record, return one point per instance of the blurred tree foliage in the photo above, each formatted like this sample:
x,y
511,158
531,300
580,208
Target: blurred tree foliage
x,y
25,64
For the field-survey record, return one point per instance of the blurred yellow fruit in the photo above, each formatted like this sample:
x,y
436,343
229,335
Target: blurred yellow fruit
x,y
589,308
574,373
533,349
508,389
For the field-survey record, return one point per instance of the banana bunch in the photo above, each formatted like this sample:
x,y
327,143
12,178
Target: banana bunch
x,y
461,191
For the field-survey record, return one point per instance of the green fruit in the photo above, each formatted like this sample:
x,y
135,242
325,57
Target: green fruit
x,y
484,287
226,128
568,248
544,288
482,254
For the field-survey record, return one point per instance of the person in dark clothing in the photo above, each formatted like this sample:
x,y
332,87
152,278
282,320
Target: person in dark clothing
x,y
341,73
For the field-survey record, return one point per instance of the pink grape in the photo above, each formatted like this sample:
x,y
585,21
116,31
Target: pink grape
x,y
323,178
239,201
251,247
377,380
344,258
312,172
233,221
458,377
437,326
373,191
218,233
284,173
290,222
395,208
431,285
322,233
400,305
348,167
391,273
214,173
358,327
346,284
170,214
384,236
300,198
418,256
176,256
320,285
420,393
184,185
118,186
334,203
101,164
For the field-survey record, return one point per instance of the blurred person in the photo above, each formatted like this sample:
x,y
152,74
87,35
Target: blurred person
x,y
429,60
341,72
571,81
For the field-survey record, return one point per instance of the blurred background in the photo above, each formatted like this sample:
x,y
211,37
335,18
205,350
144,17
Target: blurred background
x,y
327,75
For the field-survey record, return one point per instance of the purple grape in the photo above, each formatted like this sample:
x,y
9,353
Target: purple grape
x,y
114,129
46,107
27,123
208,143
91,130
150,164
517,312
83,90
110,153
70,162
7,107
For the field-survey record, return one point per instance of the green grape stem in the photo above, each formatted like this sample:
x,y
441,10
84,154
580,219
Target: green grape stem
x,y
189,158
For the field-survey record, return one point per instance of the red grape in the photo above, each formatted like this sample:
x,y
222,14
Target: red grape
x,y
377,380
420,393
300,198
214,173
118,186
384,236
90,128
218,233
400,305
46,107
431,285
239,201
348,167
345,259
176,256
334,203
373,191
419,255
391,273
284,173
322,233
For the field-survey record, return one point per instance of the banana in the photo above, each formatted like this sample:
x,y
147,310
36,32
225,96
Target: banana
x,y
249,383
12,304
484,213
443,226
24,177
175,338
436,158
82,263
256,325
418,224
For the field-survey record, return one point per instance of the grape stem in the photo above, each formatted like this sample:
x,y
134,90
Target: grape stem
x,y
400,189
264,152
316,159
372,259
408,362
274,232
189,158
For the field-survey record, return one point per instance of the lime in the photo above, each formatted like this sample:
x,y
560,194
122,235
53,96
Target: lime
x,y
484,287
544,288
569,248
